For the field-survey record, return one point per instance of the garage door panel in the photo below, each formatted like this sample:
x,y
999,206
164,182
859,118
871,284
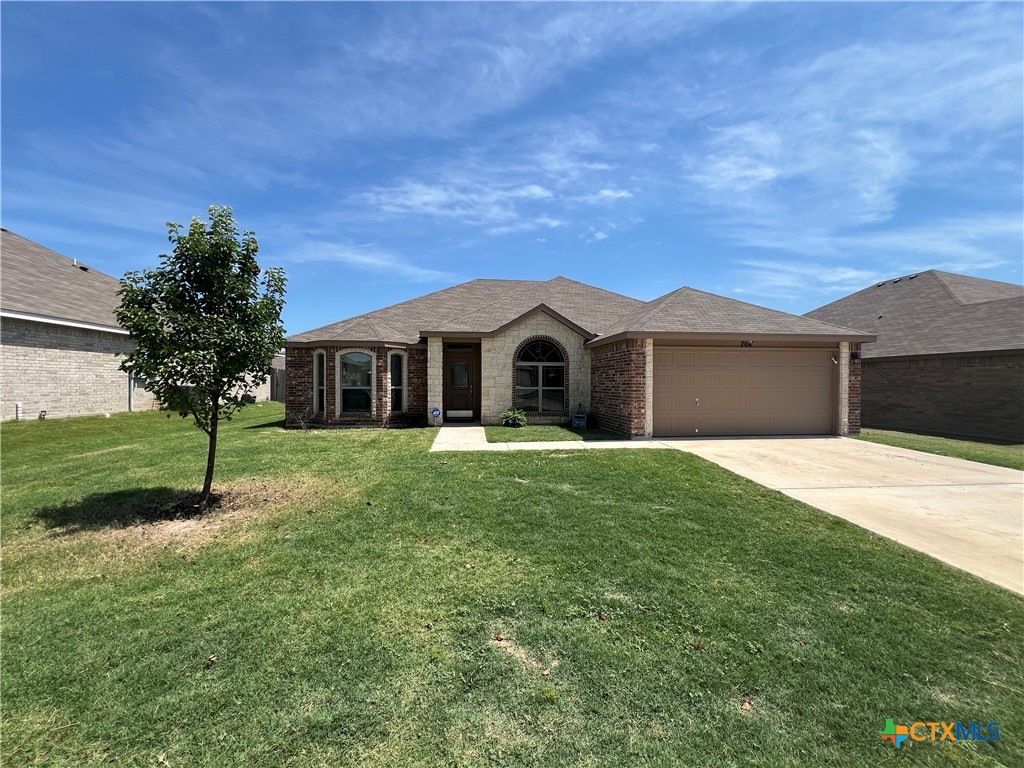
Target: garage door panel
x,y
743,392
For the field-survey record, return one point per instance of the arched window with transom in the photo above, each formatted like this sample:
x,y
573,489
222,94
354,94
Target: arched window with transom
x,y
540,377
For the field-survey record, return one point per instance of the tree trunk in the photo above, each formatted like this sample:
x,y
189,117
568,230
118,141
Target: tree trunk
x,y
211,460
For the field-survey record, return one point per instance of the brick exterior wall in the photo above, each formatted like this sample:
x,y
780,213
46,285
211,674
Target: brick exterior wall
x,y
497,368
618,386
854,390
64,371
299,388
416,403
970,396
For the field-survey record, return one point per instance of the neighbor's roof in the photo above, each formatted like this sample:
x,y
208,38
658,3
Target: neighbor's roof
x,y
37,281
690,312
932,313
479,307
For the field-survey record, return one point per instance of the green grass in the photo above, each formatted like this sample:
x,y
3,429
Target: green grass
x,y
1000,454
543,434
360,601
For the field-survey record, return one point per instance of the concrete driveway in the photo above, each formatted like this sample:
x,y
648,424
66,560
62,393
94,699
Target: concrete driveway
x,y
967,514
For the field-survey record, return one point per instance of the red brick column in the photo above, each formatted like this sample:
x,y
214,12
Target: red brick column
x,y
618,386
853,418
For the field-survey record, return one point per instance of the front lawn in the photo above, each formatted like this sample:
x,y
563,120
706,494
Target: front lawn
x,y
1000,454
546,433
360,601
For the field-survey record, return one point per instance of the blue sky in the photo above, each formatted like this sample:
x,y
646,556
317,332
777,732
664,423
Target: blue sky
x,y
784,154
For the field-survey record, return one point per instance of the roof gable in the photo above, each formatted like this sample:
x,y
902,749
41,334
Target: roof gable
x,y
688,311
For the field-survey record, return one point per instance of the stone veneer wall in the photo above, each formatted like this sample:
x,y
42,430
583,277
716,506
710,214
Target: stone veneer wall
x,y
435,380
497,364
618,386
299,388
64,371
970,396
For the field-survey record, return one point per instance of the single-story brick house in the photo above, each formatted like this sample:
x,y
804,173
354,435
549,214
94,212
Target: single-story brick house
x,y
949,358
688,363
60,344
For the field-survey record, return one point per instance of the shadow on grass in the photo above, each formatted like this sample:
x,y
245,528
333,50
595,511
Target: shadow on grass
x,y
944,436
118,509
275,424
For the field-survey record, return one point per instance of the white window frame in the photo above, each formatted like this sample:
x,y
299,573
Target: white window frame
x,y
373,380
404,385
317,353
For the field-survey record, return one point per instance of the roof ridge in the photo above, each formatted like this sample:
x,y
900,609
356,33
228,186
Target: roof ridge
x,y
593,287
945,287
507,297
384,325
776,311
649,309
73,259
688,299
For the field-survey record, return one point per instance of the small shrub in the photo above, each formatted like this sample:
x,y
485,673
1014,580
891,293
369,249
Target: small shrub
x,y
513,417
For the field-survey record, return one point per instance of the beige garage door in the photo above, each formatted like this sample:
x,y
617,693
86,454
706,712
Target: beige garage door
x,y
743,391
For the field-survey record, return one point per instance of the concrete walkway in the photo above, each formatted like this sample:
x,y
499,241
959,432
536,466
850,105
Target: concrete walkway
x,y
471,437
967,514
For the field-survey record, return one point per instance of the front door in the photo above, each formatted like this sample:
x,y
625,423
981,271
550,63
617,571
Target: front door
x,y
461,384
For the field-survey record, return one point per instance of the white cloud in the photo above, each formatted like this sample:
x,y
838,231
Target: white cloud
x,y
607,195
833,141
798,279
467,199
968,245
367,258
527,225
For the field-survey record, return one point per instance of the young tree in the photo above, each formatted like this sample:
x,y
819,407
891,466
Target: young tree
x,y
205,324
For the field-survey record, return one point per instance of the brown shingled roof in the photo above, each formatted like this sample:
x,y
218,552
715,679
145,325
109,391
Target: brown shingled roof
x,y
690,312
933,313
479,306
38,281
587,307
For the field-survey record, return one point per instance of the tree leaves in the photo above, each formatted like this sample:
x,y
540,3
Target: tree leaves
x,y
206,322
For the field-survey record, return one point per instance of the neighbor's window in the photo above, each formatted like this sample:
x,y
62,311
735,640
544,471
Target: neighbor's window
x,y
540,378
397,382
356,382
319,381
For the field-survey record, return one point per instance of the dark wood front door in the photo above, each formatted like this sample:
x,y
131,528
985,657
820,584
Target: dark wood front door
x,y
462,384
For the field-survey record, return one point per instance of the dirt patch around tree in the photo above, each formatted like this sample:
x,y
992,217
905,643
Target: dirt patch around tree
x,y
182,520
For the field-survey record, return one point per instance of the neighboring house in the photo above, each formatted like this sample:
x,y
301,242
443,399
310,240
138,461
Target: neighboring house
x,y
688,363
949,359
60,344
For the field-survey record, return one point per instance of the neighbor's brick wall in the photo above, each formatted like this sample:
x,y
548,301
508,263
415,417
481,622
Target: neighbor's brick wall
x,y
618,386
497,364
64,371
970,396
299,388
